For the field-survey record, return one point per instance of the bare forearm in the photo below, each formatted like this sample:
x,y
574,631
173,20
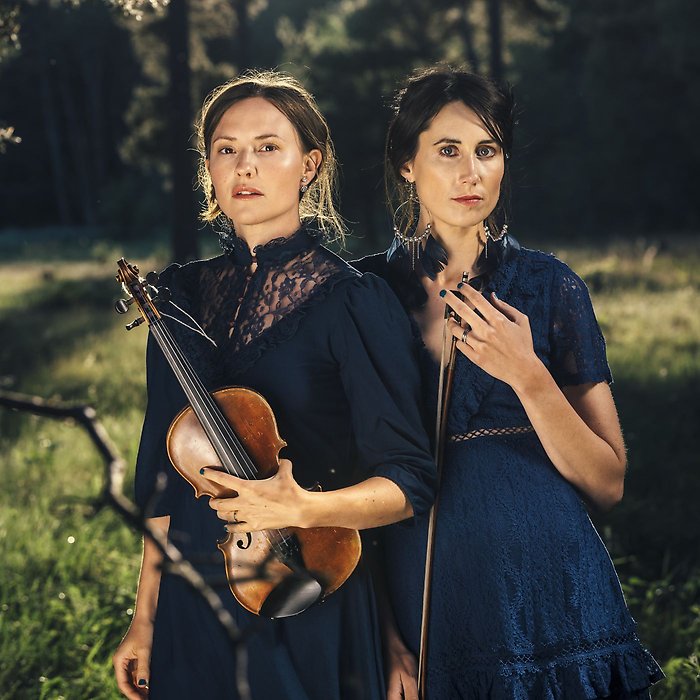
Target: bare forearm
x,y
578,452
149,579
371,503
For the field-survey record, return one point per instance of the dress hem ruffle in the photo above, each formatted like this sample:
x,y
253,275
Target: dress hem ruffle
x,y
617,672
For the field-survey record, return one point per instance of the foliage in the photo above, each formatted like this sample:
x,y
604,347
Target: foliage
x,y
604,89
68,575
606,102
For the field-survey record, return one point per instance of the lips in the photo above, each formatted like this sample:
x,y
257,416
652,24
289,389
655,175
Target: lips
x,y
469,200
242,192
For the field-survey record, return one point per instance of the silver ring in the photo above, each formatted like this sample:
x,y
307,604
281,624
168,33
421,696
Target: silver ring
x,y
235,516
464,335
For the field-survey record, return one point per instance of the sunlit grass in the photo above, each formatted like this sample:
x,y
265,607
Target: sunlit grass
x,y
68,576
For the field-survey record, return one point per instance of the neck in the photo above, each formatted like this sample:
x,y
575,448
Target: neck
x,y
463,246
264,231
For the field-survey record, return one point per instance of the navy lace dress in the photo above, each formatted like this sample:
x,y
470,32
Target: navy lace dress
x,y
526,603
331,350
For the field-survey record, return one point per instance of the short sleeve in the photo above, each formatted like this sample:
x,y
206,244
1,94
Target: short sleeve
x,y
372,343
577,345
156,481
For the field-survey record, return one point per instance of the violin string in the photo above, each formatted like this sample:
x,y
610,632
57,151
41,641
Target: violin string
x,y
204,399
198,329
215,420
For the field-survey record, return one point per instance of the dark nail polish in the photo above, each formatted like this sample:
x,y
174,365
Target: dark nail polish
x,y
460,285
201,471
443,292
142,681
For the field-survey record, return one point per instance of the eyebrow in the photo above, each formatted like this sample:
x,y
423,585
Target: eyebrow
x,y
458,142
256,138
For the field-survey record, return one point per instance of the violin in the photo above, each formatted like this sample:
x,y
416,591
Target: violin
x,y
273,573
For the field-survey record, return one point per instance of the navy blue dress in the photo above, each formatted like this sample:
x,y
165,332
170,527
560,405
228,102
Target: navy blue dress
x,y
525,600
331,350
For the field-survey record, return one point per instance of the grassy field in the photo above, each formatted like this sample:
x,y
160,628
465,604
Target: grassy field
x,y
68,574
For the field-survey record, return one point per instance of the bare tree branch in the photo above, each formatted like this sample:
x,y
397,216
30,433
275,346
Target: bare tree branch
x,y
114,497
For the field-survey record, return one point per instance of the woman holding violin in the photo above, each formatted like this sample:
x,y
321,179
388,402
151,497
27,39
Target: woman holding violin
x,y
524,601
331,351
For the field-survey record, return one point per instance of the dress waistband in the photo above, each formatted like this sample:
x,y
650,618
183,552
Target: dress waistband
x,y
486,432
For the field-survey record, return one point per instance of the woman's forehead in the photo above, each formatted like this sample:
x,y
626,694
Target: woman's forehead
x,y
254,117
456,121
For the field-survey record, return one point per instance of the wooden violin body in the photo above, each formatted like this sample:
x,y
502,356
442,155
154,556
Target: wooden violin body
x,y
330,554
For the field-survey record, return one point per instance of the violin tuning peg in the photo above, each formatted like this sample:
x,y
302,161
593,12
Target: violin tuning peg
x,y
152,277
134,323
121,306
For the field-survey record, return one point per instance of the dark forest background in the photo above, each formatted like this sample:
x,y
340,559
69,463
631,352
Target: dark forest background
x,y
103,94
97,160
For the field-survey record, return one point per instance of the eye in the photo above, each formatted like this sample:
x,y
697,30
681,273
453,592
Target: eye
x,y
485,151
449,151
226,150
269,148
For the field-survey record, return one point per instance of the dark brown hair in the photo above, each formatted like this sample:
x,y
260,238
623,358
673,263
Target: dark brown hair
x,y
299,106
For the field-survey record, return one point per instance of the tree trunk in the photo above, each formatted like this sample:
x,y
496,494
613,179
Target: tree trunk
x,y
241,50
57,163
184,211
468,35
95,108
496,38
79,146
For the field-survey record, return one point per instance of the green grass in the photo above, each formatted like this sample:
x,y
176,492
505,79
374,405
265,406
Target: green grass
x,y
68,575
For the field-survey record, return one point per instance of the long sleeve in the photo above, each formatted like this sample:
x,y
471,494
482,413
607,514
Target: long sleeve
x,y
372,343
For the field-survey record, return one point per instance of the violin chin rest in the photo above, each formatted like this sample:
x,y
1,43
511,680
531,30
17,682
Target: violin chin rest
x,y
292,595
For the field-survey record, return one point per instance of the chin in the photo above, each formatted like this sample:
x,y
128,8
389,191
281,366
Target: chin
x,y
464,221
247,218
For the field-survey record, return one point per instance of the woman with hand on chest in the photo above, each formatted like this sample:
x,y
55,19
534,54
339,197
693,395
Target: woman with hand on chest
x,y
525,602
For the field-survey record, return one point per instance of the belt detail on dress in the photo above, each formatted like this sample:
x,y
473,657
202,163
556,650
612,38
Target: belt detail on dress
x,y
483,432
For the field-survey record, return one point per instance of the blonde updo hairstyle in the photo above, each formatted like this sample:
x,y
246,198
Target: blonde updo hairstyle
x,y
298,105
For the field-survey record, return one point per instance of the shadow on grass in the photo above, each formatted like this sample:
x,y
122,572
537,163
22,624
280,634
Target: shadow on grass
x,y
658,521
51,322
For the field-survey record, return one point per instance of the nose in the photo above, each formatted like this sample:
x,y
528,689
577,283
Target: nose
x,y
245,167
470,172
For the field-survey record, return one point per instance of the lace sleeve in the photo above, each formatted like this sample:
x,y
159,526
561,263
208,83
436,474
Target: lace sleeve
x,y
373,346
577,343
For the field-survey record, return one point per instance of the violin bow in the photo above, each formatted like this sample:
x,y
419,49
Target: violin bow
x,y
444,394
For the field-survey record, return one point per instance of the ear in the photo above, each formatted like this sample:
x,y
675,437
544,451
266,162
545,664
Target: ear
x,y
312,162
406,171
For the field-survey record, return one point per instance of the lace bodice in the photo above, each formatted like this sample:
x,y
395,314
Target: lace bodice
x,y
245,301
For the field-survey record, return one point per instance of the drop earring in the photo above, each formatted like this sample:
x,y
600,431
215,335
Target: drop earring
x,y
411,242
490,238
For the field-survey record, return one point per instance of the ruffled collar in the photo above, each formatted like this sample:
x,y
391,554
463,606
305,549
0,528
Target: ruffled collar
x,y
277,250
